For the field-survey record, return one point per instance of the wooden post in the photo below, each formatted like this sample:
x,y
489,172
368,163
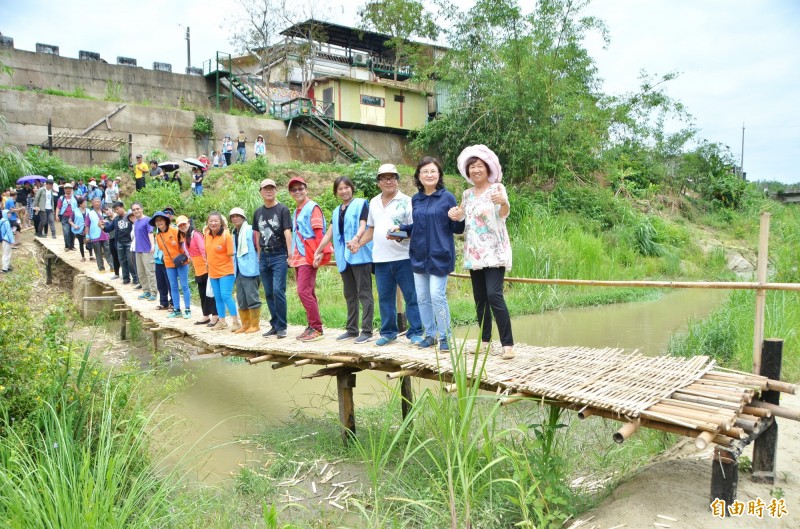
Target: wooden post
x,y
50,139
761,294
402,322
345,382
123,324
724,477
407,396
49,266
765,447
155,341
130,148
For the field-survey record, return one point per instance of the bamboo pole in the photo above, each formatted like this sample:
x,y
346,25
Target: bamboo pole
x,y
721,285
761,294
626,431
777,411
259,359
702,440
401,373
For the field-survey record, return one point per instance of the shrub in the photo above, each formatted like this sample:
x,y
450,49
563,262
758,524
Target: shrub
x,y
203,125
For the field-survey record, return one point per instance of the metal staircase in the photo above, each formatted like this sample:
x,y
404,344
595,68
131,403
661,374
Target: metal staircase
x,y
319,123
235,82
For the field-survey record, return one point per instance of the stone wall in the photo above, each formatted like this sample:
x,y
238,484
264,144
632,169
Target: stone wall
x,y
168,129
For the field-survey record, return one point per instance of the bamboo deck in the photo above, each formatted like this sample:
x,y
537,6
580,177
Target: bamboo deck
x,y
690,397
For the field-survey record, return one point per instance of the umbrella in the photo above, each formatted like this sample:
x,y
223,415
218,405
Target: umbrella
x,y
169,166
31,179
195,162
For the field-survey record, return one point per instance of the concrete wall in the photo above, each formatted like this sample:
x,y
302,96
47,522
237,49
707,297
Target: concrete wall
x,y
129,83
169,130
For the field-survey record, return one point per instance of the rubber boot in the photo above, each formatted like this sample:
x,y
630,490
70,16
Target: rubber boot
x,y
236,326
255,320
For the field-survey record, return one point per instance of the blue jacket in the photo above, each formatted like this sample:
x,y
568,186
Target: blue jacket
x,y
345,257
247,264
6,233
432,249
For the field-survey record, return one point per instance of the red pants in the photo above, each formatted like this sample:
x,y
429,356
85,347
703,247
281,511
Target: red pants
x,y
306,281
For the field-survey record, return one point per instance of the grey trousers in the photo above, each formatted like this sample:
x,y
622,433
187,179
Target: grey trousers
x,y
357,281
146,269
247,292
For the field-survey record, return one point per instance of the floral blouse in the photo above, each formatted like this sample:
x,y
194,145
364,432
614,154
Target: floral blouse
x,y
486,243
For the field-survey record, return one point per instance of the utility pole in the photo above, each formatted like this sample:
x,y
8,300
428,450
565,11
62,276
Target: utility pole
x,y
741,160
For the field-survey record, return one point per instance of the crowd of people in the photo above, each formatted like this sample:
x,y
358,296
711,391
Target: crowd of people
x,y
407,243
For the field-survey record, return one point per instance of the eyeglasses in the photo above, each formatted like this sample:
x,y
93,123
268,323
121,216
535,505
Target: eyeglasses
x,y
387,179
429,173
136,209
296,189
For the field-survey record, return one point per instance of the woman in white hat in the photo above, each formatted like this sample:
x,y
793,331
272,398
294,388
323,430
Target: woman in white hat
x,y
487,250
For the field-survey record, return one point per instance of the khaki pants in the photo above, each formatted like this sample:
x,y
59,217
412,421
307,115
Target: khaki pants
x,y
146,268
6,255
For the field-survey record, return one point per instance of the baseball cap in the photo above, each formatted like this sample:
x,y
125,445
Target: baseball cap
x,y
296,179
50,178
182,220
237,211
68,185
268,182
169,210
388,168
92,183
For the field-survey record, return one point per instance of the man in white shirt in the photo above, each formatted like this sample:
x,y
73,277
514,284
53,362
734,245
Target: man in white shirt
x,y
390,256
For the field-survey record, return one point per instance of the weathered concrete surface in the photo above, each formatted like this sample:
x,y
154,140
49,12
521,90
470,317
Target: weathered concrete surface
x,y
83,286
169,130
98,80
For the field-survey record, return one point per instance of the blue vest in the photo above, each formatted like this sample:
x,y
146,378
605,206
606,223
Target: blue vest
x,y
246,265
6,233
94,225
301,230
79,221
351,220
68,202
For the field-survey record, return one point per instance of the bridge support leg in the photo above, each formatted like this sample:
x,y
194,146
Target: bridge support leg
x,y
765,447
406,395
345,382
123,324
724,477
49,266
155,341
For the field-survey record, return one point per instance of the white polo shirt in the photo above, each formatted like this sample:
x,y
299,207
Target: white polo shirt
x,y
396,212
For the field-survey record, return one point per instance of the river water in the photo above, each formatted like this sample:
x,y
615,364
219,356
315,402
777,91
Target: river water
x,y
227,399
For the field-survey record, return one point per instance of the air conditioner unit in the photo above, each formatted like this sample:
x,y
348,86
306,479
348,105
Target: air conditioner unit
x,y
360,58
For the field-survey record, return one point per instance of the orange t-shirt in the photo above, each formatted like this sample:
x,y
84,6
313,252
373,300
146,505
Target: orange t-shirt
x,y
168,243
219,252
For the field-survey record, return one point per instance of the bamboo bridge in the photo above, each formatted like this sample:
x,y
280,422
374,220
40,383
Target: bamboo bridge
x,y
692,397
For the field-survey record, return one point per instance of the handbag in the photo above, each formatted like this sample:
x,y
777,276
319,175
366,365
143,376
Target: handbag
x,y
179,260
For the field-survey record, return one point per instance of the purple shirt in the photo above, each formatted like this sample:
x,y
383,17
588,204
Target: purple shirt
x,y
142,229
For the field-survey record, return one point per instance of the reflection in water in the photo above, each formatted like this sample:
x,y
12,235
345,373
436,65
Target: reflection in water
x,y
232,399
646,326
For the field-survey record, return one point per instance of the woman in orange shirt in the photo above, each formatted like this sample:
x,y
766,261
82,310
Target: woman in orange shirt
x,y
195,245
219,253
176,263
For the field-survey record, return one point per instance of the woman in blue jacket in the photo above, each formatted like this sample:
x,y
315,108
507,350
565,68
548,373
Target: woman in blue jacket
x,y
348,224
432,250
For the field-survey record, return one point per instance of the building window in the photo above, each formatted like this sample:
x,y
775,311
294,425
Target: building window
x,y
372,101
399,99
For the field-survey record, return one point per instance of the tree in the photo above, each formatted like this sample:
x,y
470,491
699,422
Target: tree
x,y
401,20
254,31
525,85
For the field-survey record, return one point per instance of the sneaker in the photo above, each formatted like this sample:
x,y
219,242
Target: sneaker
x,y
203,322
91,257
508,352
115,277
128,282
174,314
187,314
362,338
304,333
426,342
346,336
444,345
138,287
40,236
6,271
415,340
146,296
312,335
271,332
383,340
152,297
282,333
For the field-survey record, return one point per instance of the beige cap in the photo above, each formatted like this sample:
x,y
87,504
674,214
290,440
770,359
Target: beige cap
x,y
388,168
237,211
182,220
268,182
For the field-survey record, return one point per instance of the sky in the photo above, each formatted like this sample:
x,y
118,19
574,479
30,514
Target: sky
x,y
737,59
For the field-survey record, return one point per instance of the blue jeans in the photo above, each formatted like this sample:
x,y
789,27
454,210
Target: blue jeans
x,y
389,276
223,295
198,189
242,155
433,307
273,268
179,280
